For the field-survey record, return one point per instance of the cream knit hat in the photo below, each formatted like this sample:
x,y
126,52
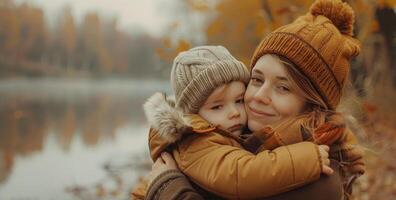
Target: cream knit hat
x,y
200,70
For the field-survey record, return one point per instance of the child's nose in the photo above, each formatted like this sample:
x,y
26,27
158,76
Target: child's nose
x,y
234,112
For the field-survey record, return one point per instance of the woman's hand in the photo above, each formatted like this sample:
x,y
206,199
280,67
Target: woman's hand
x,y
324,155
163,163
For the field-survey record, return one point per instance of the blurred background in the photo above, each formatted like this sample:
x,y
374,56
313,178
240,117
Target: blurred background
x,y
74,75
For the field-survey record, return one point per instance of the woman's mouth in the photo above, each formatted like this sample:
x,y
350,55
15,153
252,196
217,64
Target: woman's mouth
x,y
260,113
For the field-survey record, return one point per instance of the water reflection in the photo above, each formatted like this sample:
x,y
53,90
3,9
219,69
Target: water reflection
x,y
40,117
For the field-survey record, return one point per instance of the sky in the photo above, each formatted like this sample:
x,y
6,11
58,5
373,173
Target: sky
x,y
132,15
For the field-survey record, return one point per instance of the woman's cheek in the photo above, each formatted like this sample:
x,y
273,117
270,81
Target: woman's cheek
x,y
287,106
250,91
281,105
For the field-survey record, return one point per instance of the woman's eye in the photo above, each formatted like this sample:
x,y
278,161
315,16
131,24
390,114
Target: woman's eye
x,y
256,80
283,88
216,107
240,101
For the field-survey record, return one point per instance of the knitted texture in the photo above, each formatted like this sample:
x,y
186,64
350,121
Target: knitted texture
x,y
320,44
196,73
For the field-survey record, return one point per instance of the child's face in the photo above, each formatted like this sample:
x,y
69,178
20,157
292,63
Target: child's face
x,y
225,107
270,95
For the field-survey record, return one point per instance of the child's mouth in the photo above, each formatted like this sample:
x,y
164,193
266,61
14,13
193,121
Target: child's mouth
x,y
235,128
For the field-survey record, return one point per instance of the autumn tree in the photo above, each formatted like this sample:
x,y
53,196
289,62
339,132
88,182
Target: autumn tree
x,y
9,29
65,39
32,33
92,53
116,45
238,26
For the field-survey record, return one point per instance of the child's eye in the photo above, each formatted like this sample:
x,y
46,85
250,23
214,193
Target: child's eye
x,y
217,107
240,100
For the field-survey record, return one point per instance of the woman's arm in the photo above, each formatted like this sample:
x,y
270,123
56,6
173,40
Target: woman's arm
x,y
168,183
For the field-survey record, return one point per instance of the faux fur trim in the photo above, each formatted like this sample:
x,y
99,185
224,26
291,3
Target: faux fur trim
x,y
165,118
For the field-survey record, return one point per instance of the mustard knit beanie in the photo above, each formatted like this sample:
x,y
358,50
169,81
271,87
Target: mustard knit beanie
x,y
320,44
196,73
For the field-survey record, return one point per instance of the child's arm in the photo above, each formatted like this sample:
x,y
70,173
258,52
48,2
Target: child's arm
x,y
333,133
269,139
220,166
328,132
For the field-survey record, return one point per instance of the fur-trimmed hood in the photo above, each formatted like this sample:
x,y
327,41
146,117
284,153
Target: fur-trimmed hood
x,y
162,115
170,123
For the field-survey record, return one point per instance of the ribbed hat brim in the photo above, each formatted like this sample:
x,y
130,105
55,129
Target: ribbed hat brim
x,y
198,90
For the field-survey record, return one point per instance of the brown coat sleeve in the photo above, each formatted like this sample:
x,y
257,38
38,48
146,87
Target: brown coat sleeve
x,y
172,185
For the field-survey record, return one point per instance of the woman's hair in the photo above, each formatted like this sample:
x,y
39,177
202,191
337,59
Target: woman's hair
x,y
304,86
315,109
315,112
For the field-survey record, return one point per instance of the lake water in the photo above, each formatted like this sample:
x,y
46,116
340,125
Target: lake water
x,y
69,139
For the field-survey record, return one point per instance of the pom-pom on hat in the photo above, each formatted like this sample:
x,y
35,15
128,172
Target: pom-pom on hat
x,y
320,44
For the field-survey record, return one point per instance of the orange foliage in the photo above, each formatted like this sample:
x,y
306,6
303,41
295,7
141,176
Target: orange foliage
x,y
238,26
201,6
168,52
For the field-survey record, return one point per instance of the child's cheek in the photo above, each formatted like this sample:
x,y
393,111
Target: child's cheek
x,y
243,114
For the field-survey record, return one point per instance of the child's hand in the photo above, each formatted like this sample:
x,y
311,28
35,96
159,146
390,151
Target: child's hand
x,y
163,163
324,155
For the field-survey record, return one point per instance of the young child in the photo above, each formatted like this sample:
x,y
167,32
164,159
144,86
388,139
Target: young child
x,y
202,127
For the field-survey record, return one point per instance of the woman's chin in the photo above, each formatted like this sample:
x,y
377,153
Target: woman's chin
x,y
256,125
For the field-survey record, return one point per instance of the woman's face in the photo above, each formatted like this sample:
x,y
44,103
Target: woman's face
x,y
270,95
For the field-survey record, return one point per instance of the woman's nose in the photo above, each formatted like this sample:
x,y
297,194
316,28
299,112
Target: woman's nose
x,y
263,95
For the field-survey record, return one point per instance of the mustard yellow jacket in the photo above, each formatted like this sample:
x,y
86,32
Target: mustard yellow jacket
x,y
218,163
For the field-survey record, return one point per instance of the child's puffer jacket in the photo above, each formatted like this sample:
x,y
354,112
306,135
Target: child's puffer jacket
x,y
219,164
